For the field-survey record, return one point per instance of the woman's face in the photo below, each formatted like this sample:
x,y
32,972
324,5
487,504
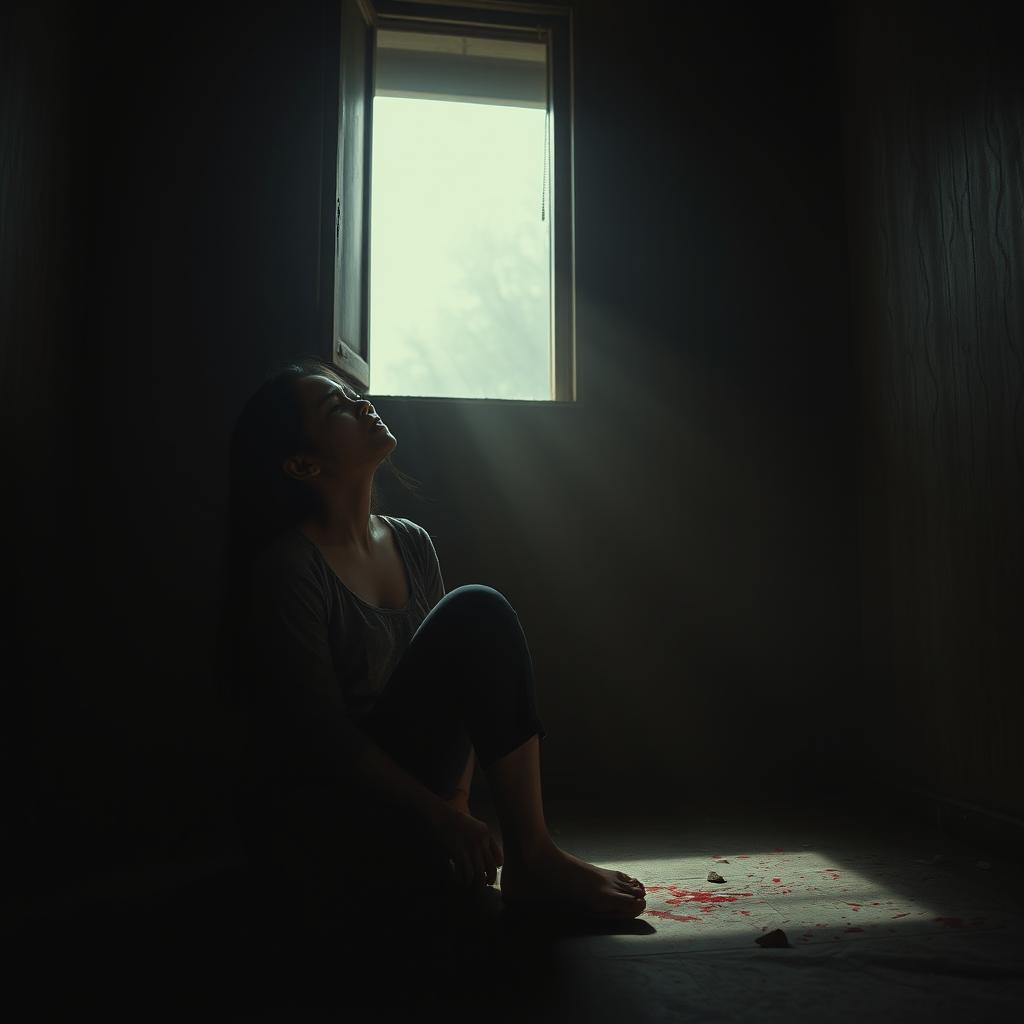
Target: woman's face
x,y
342,427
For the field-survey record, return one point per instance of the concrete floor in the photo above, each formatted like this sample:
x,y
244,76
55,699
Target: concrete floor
x,y
882,918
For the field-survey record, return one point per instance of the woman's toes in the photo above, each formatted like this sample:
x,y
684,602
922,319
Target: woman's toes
x,y
618,901
631,905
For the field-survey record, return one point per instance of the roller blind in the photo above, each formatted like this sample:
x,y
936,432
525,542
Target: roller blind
x,y
469,69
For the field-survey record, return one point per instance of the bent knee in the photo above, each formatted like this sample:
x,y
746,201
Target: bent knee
x,y
480,600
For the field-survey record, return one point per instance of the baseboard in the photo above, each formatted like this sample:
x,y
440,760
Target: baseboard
x,y
1000,834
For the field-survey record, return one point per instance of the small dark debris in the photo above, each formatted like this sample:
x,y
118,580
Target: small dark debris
x,y
714,876
773,940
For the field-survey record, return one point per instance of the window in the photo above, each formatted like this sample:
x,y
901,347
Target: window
x,y
449,272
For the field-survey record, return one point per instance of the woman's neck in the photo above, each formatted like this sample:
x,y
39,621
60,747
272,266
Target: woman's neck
x,y
343,539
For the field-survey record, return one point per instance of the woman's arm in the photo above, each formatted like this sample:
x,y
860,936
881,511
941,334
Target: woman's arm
x,y
460,798
293,673
434,578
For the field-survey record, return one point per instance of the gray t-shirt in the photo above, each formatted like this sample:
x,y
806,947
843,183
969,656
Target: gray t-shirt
x,y
318,656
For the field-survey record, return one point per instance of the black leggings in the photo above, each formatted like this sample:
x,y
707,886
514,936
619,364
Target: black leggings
x,y
465,679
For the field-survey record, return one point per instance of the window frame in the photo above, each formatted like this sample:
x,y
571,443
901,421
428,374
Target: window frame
x,y
343,291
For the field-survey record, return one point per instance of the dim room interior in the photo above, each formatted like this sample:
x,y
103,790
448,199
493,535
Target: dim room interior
x,y
745,454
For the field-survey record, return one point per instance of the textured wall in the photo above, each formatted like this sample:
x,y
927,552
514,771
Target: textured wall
x,y
935,100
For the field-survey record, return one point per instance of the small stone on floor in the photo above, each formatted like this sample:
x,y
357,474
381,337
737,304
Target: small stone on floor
x,y
773,940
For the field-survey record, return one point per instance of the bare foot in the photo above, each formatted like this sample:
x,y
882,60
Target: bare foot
x,y
559,878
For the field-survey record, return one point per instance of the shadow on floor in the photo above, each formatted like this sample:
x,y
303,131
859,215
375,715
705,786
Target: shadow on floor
x,y
210,949
831,877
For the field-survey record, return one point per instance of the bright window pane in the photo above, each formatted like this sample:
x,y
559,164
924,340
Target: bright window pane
x,y
460,282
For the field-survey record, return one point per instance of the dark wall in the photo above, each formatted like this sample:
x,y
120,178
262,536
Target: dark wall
x,y
41,332
936,174
680,547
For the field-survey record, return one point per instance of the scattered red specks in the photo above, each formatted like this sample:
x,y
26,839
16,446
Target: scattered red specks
x,y
907,914
653,888
853,929
707,910
670,916
786,892
699,896
821,926
856,906
951,922
745,913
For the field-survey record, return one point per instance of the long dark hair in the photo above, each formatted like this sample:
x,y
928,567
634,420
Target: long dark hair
x,y
263,501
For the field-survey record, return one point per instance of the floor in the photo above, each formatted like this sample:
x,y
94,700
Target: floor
x,y
880,917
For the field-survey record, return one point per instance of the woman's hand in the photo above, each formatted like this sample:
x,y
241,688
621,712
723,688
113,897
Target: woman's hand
x,y
459,801
474,852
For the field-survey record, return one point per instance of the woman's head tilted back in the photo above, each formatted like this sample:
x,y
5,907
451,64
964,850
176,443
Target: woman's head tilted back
x,y
285,443
280,424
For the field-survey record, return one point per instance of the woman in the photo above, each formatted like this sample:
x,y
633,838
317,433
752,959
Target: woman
x,y
370,692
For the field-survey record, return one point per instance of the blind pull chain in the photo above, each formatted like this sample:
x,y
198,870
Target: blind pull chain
x,y
547,129
547,152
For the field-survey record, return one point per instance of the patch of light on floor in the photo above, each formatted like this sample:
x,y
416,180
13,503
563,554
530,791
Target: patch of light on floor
x,y
812,897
